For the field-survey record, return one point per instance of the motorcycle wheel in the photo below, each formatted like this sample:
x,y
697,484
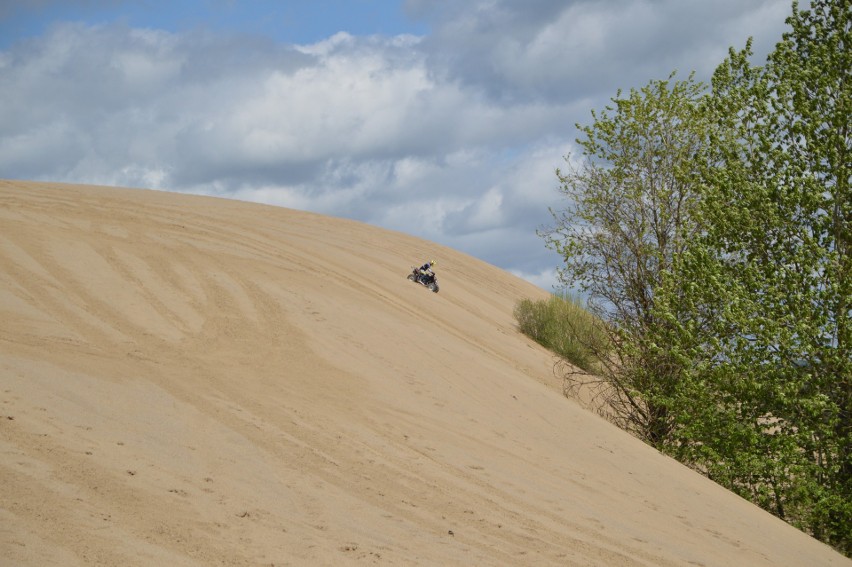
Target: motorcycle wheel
x,y
434,287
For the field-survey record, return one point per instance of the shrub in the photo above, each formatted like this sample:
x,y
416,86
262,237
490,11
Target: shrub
x,y
563,325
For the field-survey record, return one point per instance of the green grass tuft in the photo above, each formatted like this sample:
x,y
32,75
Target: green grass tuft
x,y
563,325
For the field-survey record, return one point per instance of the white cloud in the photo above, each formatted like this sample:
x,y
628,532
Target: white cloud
x,y
546,279
453,136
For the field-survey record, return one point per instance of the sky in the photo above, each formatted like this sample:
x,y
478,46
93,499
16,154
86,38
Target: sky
x,y
443,119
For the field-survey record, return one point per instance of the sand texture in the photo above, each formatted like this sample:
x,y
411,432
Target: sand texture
x,y
187,380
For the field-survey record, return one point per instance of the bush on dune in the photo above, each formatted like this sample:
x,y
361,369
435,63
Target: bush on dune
x,y
563,325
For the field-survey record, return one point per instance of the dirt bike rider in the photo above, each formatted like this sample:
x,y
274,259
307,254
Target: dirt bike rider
x,y
425,273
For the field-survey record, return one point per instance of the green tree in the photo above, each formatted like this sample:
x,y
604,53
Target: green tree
x,y
629,215
772,277
712,235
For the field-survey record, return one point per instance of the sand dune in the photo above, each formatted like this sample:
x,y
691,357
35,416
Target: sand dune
x,y
196,381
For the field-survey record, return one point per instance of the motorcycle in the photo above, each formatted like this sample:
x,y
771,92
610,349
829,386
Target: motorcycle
x,y
428,280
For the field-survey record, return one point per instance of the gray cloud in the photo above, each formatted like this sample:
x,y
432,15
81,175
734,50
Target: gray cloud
x,y
558,49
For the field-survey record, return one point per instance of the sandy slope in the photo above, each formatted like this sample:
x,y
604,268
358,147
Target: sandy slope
x,y
196,381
